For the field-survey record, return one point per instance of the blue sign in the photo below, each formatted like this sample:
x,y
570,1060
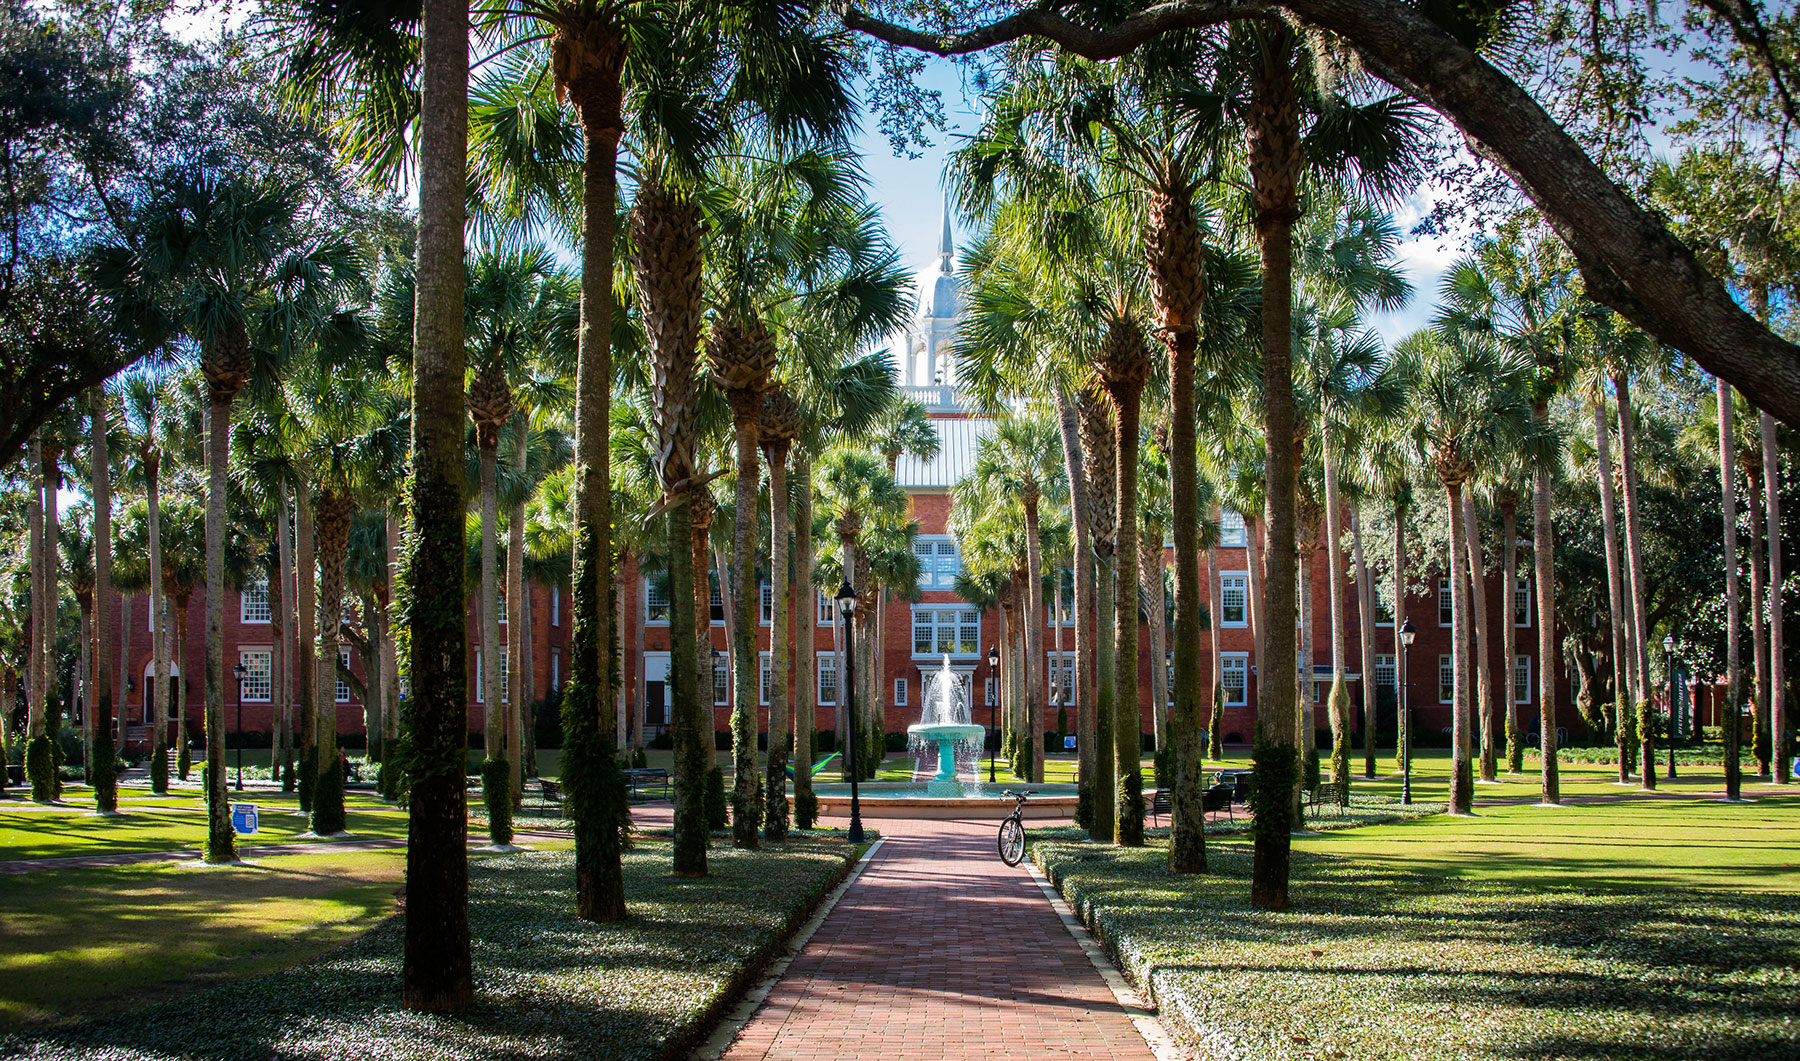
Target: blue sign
x,y
243,818
1069,743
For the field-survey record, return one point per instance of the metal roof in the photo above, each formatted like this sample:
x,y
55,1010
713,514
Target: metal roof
x,y
958,438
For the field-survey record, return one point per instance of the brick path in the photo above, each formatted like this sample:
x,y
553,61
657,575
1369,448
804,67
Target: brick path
x,y
939,950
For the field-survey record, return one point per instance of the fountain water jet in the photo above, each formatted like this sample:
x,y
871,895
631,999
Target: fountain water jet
x,y
945,722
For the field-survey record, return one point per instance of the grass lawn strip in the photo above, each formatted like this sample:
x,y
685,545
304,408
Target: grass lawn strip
x,y
549,985
1382,958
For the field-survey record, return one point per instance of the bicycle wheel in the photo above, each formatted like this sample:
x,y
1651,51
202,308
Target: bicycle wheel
x,y
1012,841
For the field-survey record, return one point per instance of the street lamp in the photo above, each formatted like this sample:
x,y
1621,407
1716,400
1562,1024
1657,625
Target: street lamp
x,y
1404,744
1669,669
846,605
241,671
993,705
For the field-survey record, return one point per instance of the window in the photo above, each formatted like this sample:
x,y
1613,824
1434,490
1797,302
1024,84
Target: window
x,y
938,562
1386,674
1446,603
656,602
827,610
714,599
253,602
500,597
481,685
1446,680
256,688
555,605
768,604
1234,675
1169,676
762,678
1062,678
555,668
343,687
899,692
1065,617
1231,529
1521,602
1384,608
828,675
946,631
1233,593
1521,679
721,678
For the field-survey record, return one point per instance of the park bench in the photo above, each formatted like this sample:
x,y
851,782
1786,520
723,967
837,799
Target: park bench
x,y
1216,798
1159,804
645,778
552,790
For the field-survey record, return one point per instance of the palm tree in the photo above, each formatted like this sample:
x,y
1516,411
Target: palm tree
x,y
1733,721
1098,445
1624,673
781,422
101,751
143,395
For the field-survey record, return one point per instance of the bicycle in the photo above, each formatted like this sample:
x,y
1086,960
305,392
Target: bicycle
x,y
1012,830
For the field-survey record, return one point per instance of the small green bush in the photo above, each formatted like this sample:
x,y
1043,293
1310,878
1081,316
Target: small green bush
x,y
806,809
715,799
184,760
496,795
39,769
639,760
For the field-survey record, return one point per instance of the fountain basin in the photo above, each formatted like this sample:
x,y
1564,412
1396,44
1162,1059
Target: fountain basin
x,y
892,799
946,736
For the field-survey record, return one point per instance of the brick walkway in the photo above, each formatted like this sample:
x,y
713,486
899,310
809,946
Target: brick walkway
x,y
940,951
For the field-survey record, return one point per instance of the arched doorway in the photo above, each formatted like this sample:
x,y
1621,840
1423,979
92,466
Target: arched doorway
x,y
172,697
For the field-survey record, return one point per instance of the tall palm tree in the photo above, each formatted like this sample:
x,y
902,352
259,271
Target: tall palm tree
x,y
142,396
781,422
1624,673
101,752
1732,723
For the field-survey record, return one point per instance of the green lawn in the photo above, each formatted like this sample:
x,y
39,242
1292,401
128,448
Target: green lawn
x,y
1640,928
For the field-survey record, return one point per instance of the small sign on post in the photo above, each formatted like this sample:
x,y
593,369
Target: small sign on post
x,y
243,818
1069,742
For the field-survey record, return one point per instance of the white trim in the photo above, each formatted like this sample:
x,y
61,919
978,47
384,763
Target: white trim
x,y
267,654
1517,661
245,601
1522,585
1244,689
1446,600
900,692
649,620
1241,582
556,605
823,662
1446,660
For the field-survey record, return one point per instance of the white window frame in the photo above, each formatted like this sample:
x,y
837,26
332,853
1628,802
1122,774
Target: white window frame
x,y
248,658
1067,618
254,593
715,597
500,593
1446,603
1385,664
721,676
1233,533
1240,581
505,676
826,663
1446,661
899,692
960,618
766,595
1521,691
651,607
1059,670
1242,662
555,668
555,605
764,672
940,560
1379,602
343,687
1521,595
827,610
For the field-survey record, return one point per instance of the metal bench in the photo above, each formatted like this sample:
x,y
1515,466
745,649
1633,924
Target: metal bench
x,y
552,790
1159,805
1217,798
646,778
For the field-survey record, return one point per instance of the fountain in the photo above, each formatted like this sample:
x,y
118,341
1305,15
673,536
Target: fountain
x,y
945,721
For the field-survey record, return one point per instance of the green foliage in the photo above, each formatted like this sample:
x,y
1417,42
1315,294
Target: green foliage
x,y
1272,788
639,760
308,777
496,795
806,809
1130,808
328,801
1084,808
1215,726
159,769
39,769
1062,725
184,760
1163,766
1314,776
715,799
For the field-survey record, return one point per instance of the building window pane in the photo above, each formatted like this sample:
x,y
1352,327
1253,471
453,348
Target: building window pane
x,y
768,604
343,689
828,682
1234,674
253,602
714,598
1231,529
1446,607
1233,590
481,684
656,602
827,610
555,605
1386,674
1446,680
762,678
1062,678
899,692
256,688
1521,679
721,666
1522,602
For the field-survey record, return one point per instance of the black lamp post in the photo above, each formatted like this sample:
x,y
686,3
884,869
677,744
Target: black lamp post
x,y
846,604
993,705
1404,743
1669,669
241,671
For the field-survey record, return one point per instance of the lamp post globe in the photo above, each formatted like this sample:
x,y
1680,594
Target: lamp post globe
x,y
846,607
993,658
1403,743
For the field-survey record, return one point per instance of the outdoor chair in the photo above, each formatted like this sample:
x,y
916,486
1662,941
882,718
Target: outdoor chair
x,y
1159,805
1217,798
1240,792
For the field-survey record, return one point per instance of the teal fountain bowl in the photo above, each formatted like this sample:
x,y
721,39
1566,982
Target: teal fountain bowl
x,y
944,784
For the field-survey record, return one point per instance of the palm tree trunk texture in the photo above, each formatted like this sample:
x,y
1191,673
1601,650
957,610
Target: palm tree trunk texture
x,y
100,705
1481,646
1624,681
1100,824
221,840
1156,610
1340,692
493,715
84,684
436,975
180,693
1634,566
746,804
1009,702
280,631
306,698
1127,741
775,810
1544,584
37,762
690,685
1731,722
333,521
806,654
1187,821
1306,736
1402,724
1777,691
1215,724
1461,775
1276,158
1759,711
376,706
1034,638
588,56
1365,622
159,632
1509,629
1082,561
518,619
390,658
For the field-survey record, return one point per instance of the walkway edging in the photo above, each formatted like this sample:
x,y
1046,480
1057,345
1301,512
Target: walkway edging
x,y
726,1032
1155,1036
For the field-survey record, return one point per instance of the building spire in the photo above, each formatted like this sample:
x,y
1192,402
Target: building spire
x,y
945,247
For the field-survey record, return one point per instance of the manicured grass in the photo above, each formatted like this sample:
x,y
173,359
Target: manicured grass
x,y
548,984
168,824
94,941
1641,928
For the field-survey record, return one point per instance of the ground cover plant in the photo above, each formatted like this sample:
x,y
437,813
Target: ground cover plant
x,y
548,985
1609,931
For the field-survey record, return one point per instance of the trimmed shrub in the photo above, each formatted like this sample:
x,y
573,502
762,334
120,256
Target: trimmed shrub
x,y
639,760
184,760
806,809
328,802
663,741
39,769
715,799
496,794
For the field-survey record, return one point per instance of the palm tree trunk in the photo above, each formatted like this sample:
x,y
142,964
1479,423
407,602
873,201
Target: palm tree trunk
x,y
493,715
221,841
1543,579
1008,700
1634,562
159,631
39,771
1127,741
806,650
281,757
1759,712
1156,609
390,659
1100,826
376,706
84,683
1334,566
1509,627
1215,723
1273,132
1306,686
775,810
1461,775
690,688
1732,720
1034,640
518,619
1402,719
1082,561
1187,821
1365,621
306,697
1777,692
436,975
334,510
1480,646
746,803
99,711
1624,692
